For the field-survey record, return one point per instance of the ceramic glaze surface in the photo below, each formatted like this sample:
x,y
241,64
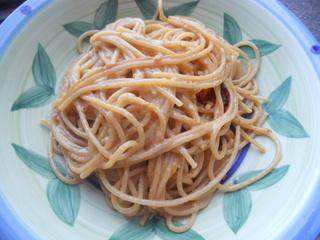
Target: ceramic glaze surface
x,y
38,48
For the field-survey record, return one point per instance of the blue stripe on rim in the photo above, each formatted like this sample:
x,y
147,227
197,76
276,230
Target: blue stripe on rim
x,y
17,20
306,226
12,227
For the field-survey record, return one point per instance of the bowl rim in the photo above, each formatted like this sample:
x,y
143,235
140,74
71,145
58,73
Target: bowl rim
x,y
306,224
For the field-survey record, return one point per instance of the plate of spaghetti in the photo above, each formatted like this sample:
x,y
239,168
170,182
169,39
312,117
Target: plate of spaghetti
x,y
158,120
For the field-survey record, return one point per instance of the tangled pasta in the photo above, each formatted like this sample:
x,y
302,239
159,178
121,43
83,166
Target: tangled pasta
x,y
158,110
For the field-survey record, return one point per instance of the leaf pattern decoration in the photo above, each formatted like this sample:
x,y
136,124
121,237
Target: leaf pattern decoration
x,y
106,13
33,97
284,123
185,9
147,8
155,226
232,33
133,231
77,28
236,208
272,178
166,234
280,120
231,29
43,71
44,76
64,200
264,47
279,96
34,161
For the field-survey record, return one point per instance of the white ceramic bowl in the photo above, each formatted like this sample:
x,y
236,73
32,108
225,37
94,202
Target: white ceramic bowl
x,y
35,205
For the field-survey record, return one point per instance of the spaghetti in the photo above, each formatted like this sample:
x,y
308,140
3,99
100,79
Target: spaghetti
x,y
158,111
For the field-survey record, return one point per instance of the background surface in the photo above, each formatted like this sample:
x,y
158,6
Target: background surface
x,y
308,11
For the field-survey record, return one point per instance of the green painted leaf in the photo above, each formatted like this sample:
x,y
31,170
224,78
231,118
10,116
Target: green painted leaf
x,y
286,124
185,9
236,208
64,200
35,161
60,163
33,97
272,178
106,13
78,28
231,29
43,71
279,96
265,47
165,234
147,8
133,231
